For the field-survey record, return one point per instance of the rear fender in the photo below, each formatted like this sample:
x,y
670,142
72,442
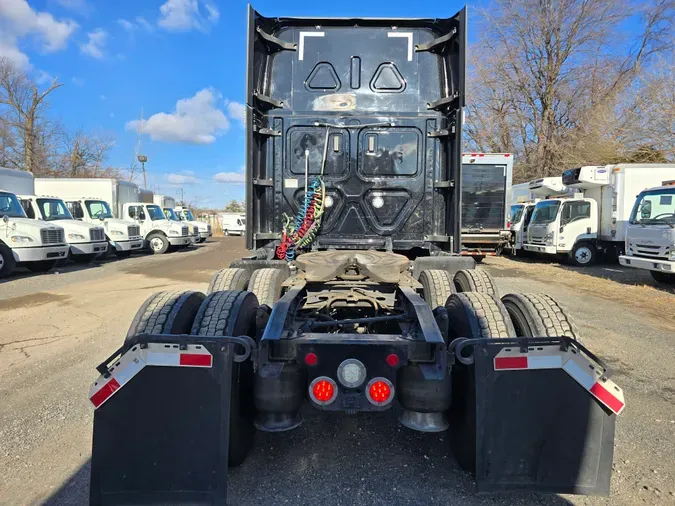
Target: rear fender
x,y
161,423
533,415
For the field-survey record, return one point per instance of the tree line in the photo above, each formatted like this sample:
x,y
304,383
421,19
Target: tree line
x,y
31,140
564,83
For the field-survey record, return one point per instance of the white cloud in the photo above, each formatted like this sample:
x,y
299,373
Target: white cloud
x,y
196,120
185,15
18,20
189,172
127,25
140,22
79,6
94,46
78,82
181,179
144,23
44,77
230,177
236,111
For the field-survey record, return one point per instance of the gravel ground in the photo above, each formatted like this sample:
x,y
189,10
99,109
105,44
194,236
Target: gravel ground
x,y
57,327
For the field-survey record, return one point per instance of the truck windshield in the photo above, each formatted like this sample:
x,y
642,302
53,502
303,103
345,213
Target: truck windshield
x,y
53,209
155,212
10,206
98,209
655,207
517,213
170,214
545,212
189,215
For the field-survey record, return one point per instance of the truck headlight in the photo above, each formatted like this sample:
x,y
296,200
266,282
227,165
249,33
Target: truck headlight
x,y
548,239
76,237
116,232
672,252
21,239
173,232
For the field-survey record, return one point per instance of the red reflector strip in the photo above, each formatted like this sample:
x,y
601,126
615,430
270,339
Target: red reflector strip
x,y
510,363
105,392
195,360
606,397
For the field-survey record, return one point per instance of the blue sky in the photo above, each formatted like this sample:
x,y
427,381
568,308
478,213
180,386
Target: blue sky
x,y
181,62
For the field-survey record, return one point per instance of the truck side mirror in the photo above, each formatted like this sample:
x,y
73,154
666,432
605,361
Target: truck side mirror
x,y
5,219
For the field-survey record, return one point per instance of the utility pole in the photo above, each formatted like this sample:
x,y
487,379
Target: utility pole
x,y
143,159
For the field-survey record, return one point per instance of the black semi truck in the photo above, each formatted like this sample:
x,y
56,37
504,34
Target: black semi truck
x,y
354,297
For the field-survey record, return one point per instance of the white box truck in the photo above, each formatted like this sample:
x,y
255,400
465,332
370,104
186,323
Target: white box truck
x,y
486,190
233,223
159,233
524,197
34,244
650,233
171,215
99,202
186,215
595,220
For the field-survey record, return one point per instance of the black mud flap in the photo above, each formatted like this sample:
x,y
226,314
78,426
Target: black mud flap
x,y
161,423
547,427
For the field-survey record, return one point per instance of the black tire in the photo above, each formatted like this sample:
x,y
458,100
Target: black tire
x,y
538,315
266,284
229,279
84,259
471,315
232,313
478,315
41,265
226,232
170,312
154,241
437,286
583,254
7,262
474,280
663,277
122,254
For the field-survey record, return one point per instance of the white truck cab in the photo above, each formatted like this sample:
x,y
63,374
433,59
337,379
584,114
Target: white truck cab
x,y
86,241
650,236
186,215
124,236
171,215
519,221
34,244
158,232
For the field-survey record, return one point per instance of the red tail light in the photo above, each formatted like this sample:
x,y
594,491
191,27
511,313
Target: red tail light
x,y
323,390
393,360
311,359
380,391
508,224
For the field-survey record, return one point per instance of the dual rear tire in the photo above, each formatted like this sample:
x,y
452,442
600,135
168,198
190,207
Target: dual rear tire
x,y
223,313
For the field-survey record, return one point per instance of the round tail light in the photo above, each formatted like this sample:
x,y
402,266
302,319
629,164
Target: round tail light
x,y
351,373
323,390
380,391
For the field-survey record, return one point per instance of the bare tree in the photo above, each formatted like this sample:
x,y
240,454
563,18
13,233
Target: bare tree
x,y
548,76
84,154
235,206
22,106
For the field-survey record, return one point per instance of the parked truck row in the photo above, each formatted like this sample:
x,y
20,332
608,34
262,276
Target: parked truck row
x,y
624,211
50,220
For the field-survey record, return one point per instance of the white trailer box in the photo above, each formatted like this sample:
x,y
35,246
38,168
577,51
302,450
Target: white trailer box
x,y
164,201
486,192
35,244
99,202
596,218
146,196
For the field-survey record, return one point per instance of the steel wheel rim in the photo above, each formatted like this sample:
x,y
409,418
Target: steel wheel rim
x,y
157,244
583,255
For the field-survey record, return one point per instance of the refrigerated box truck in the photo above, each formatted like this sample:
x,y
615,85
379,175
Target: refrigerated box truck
x,y
595,219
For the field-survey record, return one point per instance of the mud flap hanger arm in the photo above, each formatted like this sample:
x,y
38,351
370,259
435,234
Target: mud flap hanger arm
x,y
250,349
458,347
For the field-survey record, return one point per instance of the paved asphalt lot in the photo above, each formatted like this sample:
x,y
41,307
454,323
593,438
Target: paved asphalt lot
x,y
57,327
